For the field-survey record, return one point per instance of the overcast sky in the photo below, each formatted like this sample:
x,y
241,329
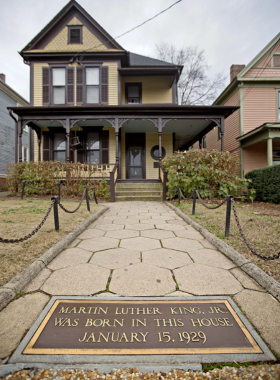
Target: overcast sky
x,y
229,31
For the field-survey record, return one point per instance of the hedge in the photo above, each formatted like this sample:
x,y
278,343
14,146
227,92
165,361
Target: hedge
x,y
266,182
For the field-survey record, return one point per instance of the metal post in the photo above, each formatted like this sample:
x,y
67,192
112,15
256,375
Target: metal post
x,y
87,199
179,198
22,191
59,184
194,201
55,212
95,195
228,198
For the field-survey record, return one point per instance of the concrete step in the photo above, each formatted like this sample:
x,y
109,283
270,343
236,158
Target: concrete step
x,y
145,186
138,193
143,198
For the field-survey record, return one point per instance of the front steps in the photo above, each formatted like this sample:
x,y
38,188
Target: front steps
x,y
138,191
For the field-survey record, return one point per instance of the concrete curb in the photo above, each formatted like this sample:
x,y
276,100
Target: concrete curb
x,y
20,281
263,279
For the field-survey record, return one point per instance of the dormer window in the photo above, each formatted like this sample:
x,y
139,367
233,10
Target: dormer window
x,y
75,35
133,93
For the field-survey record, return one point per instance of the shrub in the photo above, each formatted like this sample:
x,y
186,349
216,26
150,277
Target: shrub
x,y
266,181
211,172
47,173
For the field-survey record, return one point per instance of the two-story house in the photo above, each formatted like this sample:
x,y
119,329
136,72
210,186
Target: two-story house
x,y
252,132
8,133
93,102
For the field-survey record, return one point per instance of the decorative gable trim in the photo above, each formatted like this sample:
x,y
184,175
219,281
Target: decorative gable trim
x,y
62,19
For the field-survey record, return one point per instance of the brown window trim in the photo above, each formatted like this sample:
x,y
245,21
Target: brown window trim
x,y
70,27
85,83
58,66
139,84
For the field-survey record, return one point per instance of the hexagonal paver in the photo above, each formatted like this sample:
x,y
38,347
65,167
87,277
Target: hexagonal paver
x,y
69,258
110,227
157,234
98,244
124,222
81,280
169,227
116,258
207,244
201,280
122,234
195,235
139,227
142,280
180,222
140,244
101,221
148,221
166,258
181,244
137,217
91,233
178,293
211,257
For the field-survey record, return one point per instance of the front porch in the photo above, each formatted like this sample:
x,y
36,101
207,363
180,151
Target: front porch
x,y
122,142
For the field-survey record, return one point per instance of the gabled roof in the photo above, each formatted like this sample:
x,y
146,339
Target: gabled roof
x,y
13,94
70,10
141,60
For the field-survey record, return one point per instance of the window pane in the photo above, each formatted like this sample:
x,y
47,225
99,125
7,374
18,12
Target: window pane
x,y
92,75
133,92
92,94
59,156
59,77
135,173
93,140
93,156
58,95
135,156
59,141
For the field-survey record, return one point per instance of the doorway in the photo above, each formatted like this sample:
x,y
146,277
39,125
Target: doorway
x,y
135,156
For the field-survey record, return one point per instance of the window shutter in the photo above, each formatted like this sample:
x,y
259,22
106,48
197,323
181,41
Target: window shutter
x,y
276,60
75,36
104,84
80,152
46,85
80,81
46,146
105,147
70,85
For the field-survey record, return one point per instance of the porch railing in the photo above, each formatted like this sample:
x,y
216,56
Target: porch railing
x,y
99,171
113,180
163,177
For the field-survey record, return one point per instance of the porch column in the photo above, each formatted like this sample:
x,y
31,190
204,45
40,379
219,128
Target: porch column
x,y
222,134
67,140
117,147
159,139
200,143
19,142
39,148
269,151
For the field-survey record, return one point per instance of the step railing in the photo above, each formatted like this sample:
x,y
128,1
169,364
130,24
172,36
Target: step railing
x,y
113,180
163,177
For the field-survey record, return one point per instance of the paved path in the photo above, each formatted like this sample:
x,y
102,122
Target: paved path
x,y
141,249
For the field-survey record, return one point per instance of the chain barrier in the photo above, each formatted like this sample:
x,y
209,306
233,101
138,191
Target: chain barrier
x,y
246,241
205,205
73,191
182,195
2,240
40,188
77,208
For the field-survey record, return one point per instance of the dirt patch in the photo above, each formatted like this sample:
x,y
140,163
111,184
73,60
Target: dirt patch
x,y
260,222
20,217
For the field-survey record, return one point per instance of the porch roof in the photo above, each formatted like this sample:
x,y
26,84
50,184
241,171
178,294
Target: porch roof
x,y
263,132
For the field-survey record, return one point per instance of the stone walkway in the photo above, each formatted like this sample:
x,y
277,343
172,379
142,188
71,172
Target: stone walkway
x,y
141,249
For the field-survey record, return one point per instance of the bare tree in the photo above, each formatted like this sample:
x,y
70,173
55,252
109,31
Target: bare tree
x,y
194,86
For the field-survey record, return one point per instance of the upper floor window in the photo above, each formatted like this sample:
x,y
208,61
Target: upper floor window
x,y
75,34
92,85
276,60
58,85
133,93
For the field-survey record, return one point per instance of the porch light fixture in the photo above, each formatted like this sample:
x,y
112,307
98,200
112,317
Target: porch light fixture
x,y
75,143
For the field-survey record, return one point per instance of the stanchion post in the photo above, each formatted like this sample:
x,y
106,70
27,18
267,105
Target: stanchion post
x,y
22,190
179,197
194,201
228,198
95,195
55,212
59,184
87,199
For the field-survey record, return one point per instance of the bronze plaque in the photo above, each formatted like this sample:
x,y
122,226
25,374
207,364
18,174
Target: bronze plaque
x,y
141,327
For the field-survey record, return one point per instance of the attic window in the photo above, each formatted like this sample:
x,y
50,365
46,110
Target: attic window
x,y
75,35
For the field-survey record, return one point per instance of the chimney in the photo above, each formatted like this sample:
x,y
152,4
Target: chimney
x,y
235,70
3,77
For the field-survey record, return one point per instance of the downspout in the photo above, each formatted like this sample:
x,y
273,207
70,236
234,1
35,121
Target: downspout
x,y
16,136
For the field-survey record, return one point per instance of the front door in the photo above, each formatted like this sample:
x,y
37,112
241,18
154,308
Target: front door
x,y
135,156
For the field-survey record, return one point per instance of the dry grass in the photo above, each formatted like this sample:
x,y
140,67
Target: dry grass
x,y
19,217
259,221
